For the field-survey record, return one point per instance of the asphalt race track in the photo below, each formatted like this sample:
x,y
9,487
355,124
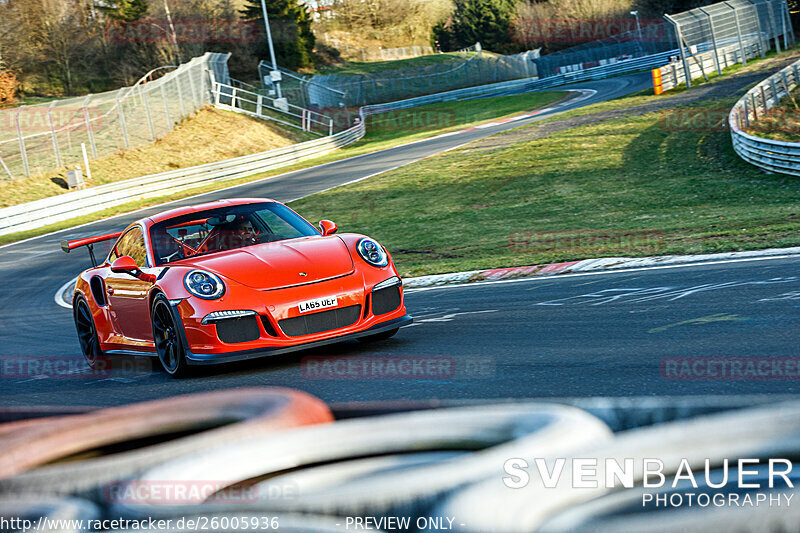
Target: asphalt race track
x,y
606,334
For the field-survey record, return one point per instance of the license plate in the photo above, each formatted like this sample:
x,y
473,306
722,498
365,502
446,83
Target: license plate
x,y
316,305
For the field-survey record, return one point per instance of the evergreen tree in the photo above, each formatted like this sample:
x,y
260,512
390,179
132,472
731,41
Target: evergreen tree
x,y
290,25
484,21
125,10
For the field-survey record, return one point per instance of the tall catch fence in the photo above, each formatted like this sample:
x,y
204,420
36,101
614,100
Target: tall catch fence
x,y
721,33
473,68
744,28
41,138
297,88
649,40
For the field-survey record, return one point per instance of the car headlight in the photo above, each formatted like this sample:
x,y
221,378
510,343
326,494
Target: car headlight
x,y
372,252
204,284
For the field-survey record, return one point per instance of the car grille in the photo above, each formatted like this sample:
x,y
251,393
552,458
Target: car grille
x,y
386,300
268,327
235,330
322,321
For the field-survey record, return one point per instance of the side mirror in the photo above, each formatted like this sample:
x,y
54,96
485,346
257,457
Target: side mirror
x,y
125,265
328,227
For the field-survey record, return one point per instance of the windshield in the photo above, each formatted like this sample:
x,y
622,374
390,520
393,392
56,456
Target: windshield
x,y
226,228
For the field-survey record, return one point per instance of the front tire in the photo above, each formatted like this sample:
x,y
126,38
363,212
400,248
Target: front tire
x,y
87,332
166,338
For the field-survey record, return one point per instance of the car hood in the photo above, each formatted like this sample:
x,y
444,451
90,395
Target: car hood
x,y
281,264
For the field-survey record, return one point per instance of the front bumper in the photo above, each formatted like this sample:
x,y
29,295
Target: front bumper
x,y
229,357
274,328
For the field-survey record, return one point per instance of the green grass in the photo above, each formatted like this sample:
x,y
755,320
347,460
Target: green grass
x,y
391,130
646,95
354,68
624,187
412,124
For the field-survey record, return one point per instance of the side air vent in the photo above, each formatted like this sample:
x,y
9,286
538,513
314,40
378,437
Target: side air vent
x,y
268,327
98,290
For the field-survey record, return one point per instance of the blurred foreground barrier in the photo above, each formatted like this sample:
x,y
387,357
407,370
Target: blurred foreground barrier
x,y
34,443
57,515
427,469
492,432
769,154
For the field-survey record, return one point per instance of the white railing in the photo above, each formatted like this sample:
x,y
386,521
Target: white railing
x,y
702,64
63,207
41,213
769,154
276,110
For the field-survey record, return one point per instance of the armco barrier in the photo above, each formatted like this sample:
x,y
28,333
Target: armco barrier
x,y
701,64
69,205
525,84
769,154
40,213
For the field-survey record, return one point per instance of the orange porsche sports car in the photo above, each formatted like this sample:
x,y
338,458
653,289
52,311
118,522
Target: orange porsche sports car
x,y
232,280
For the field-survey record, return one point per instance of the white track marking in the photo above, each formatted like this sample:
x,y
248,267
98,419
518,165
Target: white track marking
x,y
598,273
59,300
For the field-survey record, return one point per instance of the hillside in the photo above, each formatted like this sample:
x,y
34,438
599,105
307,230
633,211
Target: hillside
x,y
207,136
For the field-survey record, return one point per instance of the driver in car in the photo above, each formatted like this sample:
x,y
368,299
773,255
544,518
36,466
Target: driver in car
x,y
236,234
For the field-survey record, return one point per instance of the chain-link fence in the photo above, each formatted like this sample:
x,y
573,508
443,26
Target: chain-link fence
x,y
733,30
744,27
296,88
41,138
471,68
647,40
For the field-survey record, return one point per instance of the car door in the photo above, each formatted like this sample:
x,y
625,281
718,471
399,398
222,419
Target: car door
x,y
128,295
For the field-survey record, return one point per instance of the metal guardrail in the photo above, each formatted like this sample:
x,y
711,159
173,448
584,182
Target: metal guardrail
x,y
525,84
330,90
702,64
40,213
69,205
769,154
